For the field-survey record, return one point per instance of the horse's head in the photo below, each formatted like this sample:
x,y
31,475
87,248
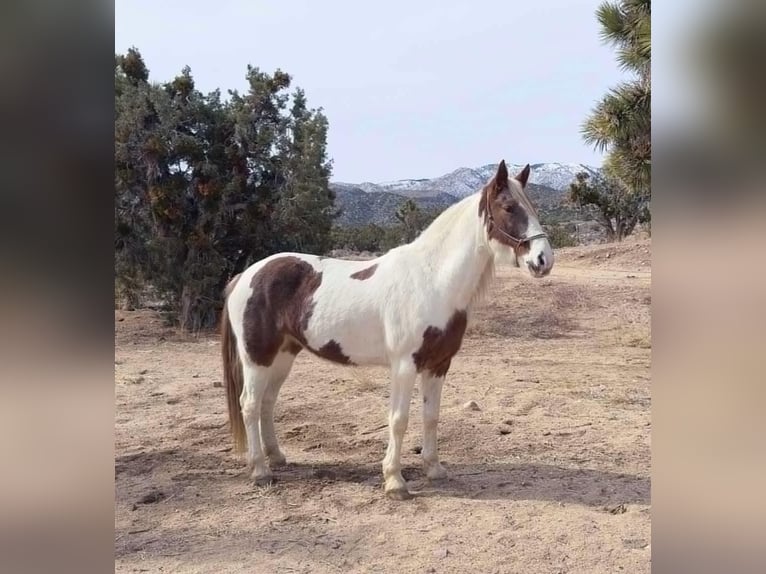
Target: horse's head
x,y
511,222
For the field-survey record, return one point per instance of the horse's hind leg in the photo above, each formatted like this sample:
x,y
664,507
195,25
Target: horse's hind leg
x,y
279,371
256,381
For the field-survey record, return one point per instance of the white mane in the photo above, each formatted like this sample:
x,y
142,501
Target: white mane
x,y
459,230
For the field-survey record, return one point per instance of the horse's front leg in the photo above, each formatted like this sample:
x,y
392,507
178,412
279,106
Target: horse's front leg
x,y
431,389
402,380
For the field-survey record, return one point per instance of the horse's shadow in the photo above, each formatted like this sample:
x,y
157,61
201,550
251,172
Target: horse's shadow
x,y
481,481
492,481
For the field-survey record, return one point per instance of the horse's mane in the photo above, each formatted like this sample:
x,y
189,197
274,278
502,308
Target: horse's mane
x,y
436,234
444,223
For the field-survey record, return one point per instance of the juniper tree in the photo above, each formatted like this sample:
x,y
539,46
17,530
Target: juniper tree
x,y
203,186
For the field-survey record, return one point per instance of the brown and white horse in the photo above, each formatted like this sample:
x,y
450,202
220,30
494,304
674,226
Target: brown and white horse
x,y
406,310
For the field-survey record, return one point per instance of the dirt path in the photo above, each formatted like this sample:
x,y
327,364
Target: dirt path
x,y
550,475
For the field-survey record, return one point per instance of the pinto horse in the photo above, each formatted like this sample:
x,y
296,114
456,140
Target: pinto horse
x,y
407,310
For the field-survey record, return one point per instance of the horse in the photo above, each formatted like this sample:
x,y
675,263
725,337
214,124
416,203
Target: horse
x,y
406,310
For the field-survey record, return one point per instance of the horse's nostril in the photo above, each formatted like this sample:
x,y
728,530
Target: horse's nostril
x,y
541,260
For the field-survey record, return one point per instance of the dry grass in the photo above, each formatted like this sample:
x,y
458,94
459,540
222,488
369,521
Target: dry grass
x,y
632,254
539,310
634,338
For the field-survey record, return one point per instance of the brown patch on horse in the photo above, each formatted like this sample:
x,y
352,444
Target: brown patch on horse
x,y
440,345
332,351
291,346
279,306
508,214
365,273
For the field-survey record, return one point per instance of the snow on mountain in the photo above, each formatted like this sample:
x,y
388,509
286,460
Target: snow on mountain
x,y
558,175
465,181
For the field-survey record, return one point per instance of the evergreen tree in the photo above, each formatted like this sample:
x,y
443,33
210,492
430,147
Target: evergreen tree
x,y
204,187
617,207
408,215
305,207
134,117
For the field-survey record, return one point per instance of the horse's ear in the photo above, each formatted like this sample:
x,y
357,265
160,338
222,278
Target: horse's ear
x,y
523,176
501,177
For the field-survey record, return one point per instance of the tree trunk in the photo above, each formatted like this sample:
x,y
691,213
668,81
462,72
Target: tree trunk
x,y
619,228
608,226
197,313
631,225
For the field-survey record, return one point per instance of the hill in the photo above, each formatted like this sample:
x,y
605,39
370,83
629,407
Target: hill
x,y
367,202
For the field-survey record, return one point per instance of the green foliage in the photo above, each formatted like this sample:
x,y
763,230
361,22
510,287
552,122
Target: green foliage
x,y
412,221
561,235
621,122
361,238
408,214
617,207
305,208
133,66
205,187
627,25
372,237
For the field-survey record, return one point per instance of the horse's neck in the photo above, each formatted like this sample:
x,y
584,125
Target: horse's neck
x,y
457,254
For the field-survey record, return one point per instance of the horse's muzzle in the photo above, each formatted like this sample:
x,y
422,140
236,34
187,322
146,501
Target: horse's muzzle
x,y
538,270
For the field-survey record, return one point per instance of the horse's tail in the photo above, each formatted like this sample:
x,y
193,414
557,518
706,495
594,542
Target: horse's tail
x,y
232,375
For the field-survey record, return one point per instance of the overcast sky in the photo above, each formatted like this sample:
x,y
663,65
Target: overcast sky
x,y
411,88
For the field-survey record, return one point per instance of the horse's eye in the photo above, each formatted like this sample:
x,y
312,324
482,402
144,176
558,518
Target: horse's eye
x,y
508,208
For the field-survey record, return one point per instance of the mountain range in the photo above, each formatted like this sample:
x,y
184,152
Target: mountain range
x,y
366,202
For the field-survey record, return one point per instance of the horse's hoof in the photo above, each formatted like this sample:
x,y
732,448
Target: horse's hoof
x,y
436,472
399,494
265,480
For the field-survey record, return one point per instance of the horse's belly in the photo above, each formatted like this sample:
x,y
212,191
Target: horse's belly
x,y
363,349
355,338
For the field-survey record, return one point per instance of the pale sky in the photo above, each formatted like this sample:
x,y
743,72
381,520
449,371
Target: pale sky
x,y
411,89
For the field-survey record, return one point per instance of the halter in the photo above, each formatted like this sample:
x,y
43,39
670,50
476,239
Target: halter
x,y
516,241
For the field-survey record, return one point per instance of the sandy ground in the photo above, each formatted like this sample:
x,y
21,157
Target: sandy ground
x,y
551,475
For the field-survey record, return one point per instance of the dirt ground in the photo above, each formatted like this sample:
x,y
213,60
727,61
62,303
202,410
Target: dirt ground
x,y
551,475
